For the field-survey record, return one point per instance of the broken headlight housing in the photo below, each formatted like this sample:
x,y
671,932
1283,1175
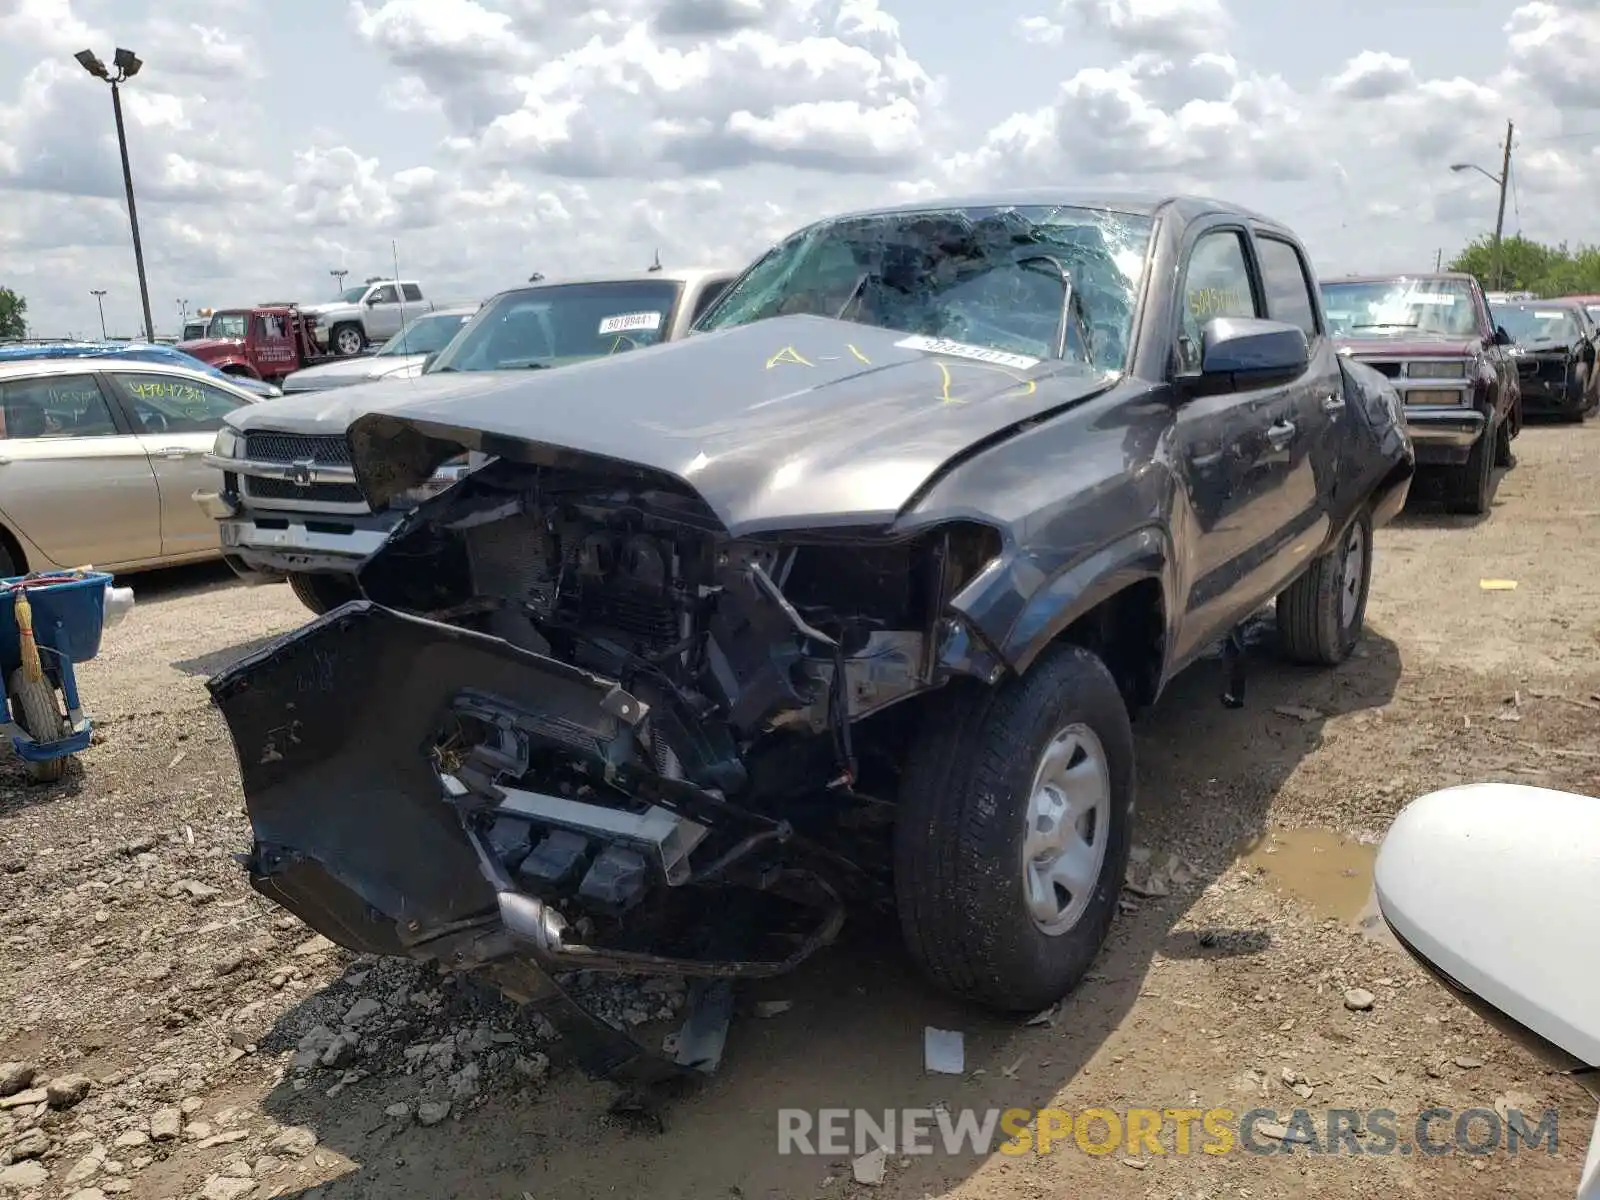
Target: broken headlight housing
x,y
448,475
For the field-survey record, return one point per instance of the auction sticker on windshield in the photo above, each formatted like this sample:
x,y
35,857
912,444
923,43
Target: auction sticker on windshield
x,y
1000,358
628,322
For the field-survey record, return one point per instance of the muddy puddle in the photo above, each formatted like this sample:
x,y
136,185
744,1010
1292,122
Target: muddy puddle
x,y
1323,870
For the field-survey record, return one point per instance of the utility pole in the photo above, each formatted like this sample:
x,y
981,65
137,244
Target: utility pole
x,y
1500,218
338,280
127,65
97,293
1438,259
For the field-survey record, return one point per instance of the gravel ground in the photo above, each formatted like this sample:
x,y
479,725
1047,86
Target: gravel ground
x,y
164,1032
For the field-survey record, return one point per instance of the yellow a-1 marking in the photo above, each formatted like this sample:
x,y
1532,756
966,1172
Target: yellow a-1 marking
x,y
787,355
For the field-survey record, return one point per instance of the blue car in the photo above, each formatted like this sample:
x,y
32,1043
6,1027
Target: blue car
x,y
139,351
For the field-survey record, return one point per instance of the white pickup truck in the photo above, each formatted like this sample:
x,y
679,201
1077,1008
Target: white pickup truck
x,y
289,505
371,313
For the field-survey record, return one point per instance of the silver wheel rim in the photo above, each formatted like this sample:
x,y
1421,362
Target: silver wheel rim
x,y
348,342
1069,824
1355,561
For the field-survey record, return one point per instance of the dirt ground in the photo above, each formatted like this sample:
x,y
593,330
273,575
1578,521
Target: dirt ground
x,y
198,1042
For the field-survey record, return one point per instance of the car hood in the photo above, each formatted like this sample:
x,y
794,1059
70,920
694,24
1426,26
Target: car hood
x,y
789,422
1408,347
351,370
202,346
317,310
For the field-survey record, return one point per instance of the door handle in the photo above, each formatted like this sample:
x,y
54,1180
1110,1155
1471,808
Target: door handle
x,y
1280,434
177,452
1333,402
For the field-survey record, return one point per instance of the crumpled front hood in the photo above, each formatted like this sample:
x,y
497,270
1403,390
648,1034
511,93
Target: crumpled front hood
x,y
1408,347
791,421
345,371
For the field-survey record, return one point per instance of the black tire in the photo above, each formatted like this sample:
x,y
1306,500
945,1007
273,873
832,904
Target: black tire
x,y
1315,625
1502,444
959,835
35,708
9,566
1468,488
323,593
347,340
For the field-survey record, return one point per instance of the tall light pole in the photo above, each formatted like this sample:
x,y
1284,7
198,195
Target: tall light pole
x,y
183,314
1500,181
127,64
338,279
98,294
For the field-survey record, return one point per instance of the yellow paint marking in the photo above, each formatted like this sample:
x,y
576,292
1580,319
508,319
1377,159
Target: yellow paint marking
x,y
1025,387
787,355
944,392
860,357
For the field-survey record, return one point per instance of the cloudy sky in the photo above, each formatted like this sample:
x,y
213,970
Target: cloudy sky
x,y
486,139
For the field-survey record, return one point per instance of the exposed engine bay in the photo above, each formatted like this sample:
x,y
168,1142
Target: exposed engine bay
x,y
698,716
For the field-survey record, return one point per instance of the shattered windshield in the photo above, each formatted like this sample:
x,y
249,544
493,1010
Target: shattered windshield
x,y
425,335
228,325
1400,307
562,323
1040,280
1531,323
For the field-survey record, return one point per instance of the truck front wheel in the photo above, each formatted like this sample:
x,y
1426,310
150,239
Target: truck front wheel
x,y
347,340
323,593
1014,829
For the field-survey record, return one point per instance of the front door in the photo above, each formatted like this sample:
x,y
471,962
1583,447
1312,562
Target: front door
x,y
272,350
1236,454
74,480
177,418
383,313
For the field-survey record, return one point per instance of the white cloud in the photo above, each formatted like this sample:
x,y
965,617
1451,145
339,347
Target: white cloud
x,y
491,138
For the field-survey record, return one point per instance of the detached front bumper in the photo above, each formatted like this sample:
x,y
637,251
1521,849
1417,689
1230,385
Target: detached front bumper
x,y
1444,436
362,830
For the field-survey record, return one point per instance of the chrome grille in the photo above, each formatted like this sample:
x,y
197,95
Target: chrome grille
x,y
282,489
288,447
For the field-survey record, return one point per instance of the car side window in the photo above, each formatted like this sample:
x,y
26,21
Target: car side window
x,y
55,406
173,404
411,291
1288,288
708,297
1216,283
385,295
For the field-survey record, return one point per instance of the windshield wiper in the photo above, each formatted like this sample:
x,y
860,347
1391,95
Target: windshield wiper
x,y
1389,325
1036,262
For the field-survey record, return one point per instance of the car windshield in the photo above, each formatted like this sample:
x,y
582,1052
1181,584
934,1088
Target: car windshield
x,y
1037,279
1400,307
1531,323
228,325
425,334
352,295
562,323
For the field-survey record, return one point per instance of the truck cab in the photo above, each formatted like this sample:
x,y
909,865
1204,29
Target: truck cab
x,y
265,342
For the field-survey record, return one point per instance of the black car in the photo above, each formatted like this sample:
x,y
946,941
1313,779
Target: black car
x,y
1553,346
847,598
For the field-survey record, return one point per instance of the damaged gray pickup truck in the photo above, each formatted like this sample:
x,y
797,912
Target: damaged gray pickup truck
x,y
850,598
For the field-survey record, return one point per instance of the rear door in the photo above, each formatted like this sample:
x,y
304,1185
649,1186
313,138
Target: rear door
x,y
1316,399
74,479
176,419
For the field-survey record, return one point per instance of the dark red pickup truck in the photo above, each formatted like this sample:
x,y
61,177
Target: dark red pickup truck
x,y
1433,336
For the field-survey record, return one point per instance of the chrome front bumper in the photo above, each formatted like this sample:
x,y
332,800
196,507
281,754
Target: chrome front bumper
x,y
285,542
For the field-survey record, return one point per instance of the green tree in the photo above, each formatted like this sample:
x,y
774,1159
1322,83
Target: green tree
x,y
1527,265
13,314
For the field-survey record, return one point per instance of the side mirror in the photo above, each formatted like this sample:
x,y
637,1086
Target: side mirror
x,y
1454,880
371,300
1243,352
1501,337
428,361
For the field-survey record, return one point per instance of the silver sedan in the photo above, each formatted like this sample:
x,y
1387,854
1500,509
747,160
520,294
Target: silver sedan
x,y
100,459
